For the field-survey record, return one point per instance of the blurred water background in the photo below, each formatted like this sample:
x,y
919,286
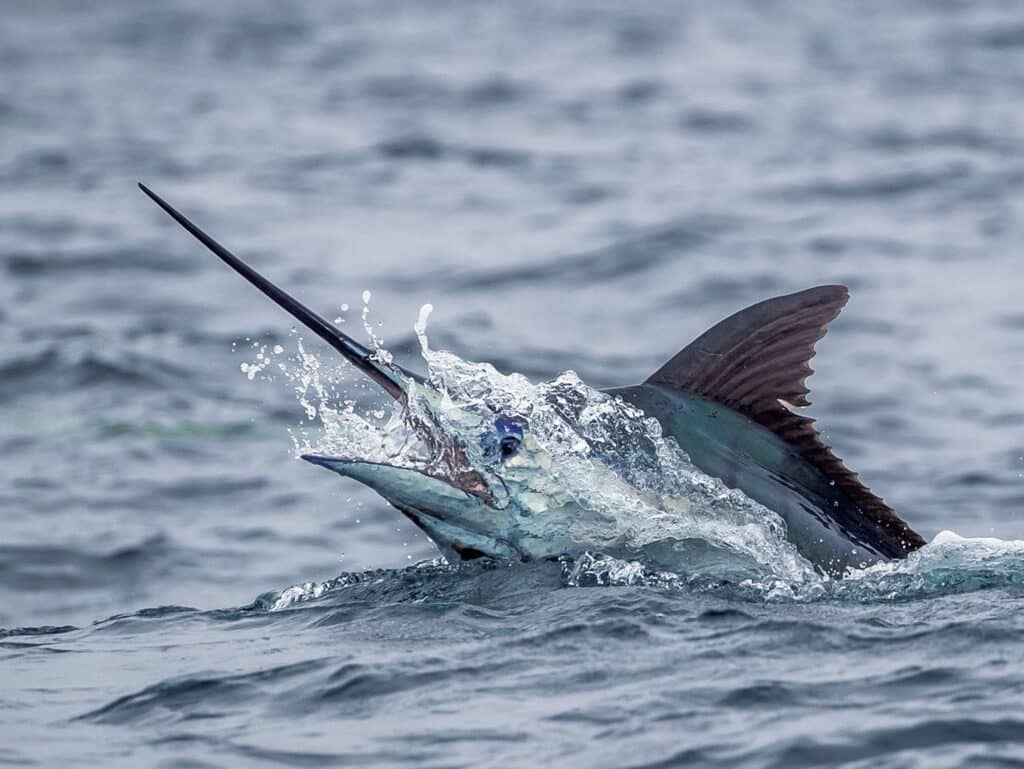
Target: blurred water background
x,y
578,185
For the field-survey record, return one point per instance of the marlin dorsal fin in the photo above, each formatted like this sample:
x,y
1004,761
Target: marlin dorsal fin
x,y
758,356
755,362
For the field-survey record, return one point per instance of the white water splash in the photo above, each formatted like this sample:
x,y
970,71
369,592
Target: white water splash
x,y
948,564
380,353
262,361
311,591
421,326
296,594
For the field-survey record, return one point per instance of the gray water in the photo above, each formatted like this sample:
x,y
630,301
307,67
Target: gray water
x,y
572,186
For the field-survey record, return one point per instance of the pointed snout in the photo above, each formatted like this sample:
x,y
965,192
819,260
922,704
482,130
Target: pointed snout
x,y
405,487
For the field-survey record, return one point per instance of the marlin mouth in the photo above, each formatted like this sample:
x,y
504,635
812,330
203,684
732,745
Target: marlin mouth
x,y
462,519
468,481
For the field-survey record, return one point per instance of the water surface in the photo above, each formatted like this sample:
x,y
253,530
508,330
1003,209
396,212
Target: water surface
x,y
572,186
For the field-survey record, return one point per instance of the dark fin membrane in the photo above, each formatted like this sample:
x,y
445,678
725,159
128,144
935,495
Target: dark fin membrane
x,y
756,362
467,553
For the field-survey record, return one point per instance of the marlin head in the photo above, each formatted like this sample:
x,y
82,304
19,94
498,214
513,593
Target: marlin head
x,y
464,505
475,468
446,474
447,477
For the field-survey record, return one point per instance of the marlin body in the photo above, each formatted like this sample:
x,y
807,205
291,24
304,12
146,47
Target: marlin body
x,y
488,486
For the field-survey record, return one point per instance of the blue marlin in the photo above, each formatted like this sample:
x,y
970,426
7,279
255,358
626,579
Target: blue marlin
x,y
728,400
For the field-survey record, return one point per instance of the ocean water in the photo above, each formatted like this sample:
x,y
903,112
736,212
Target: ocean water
x,y
577,186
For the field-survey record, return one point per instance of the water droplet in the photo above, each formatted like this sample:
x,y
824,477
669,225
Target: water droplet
x,y
421,326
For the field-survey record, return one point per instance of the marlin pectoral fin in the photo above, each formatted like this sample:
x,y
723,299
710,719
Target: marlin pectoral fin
x,y
389,376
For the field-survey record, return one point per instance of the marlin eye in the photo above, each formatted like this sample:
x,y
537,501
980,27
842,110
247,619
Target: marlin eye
x,y
509,446
510,435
